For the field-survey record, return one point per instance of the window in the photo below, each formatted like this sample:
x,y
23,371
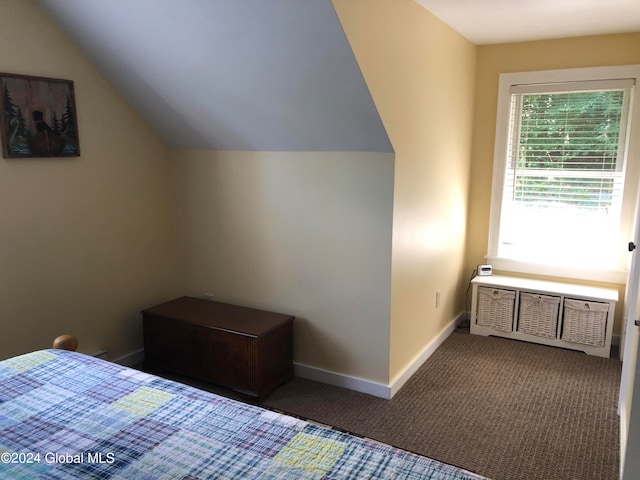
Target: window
x,y
564,188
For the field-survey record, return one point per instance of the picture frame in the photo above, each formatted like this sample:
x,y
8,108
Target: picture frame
x,y
38,117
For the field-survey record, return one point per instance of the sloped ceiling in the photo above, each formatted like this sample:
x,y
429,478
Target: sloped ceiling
x,y
275,75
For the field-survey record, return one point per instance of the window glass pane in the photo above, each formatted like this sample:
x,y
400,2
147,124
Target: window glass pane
x,y
560,236
565,175
575,130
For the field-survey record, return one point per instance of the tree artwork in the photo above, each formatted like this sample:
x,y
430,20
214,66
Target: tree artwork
x,y
38,117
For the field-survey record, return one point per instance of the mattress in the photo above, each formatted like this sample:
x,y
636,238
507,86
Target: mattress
x,y
65,415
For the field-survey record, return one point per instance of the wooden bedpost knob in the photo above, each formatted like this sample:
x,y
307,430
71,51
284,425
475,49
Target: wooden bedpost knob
x,y
66,342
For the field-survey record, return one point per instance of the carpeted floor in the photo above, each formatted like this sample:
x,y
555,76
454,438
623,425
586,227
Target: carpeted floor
x,y
507,410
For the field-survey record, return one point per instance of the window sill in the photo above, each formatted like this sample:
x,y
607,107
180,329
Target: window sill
x,y
509,265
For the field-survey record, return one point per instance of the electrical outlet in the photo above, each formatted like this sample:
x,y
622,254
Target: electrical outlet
x,y
437,298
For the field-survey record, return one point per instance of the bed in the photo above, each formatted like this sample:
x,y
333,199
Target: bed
x,y
66,415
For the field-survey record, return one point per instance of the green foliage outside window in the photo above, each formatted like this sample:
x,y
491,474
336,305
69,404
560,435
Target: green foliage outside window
x,y
564,140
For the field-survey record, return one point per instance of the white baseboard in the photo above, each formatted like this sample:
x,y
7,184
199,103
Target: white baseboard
x,y
357,384
131,360
412,367
340,380
375,388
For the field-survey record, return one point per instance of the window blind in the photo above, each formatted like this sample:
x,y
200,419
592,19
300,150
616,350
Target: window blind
x,y
565,171
565,150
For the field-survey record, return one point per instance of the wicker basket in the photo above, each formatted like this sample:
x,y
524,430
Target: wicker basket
x,y
495,308
585,322
538,315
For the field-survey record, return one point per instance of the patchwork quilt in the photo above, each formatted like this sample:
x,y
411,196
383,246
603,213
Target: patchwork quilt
x,y
65,415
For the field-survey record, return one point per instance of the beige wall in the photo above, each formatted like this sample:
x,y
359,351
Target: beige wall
x,y
354,245
421,76
86,242
517,57
303,233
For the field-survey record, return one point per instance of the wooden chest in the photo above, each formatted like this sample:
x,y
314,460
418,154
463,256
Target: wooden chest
x,y
248,350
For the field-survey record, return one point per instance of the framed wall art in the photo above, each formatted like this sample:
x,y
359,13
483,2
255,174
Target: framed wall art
x,y
38,117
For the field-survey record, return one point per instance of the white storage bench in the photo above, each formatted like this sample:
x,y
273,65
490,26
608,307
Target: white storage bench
x,y
552,313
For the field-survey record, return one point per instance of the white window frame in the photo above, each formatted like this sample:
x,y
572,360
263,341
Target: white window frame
x,y
617,274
